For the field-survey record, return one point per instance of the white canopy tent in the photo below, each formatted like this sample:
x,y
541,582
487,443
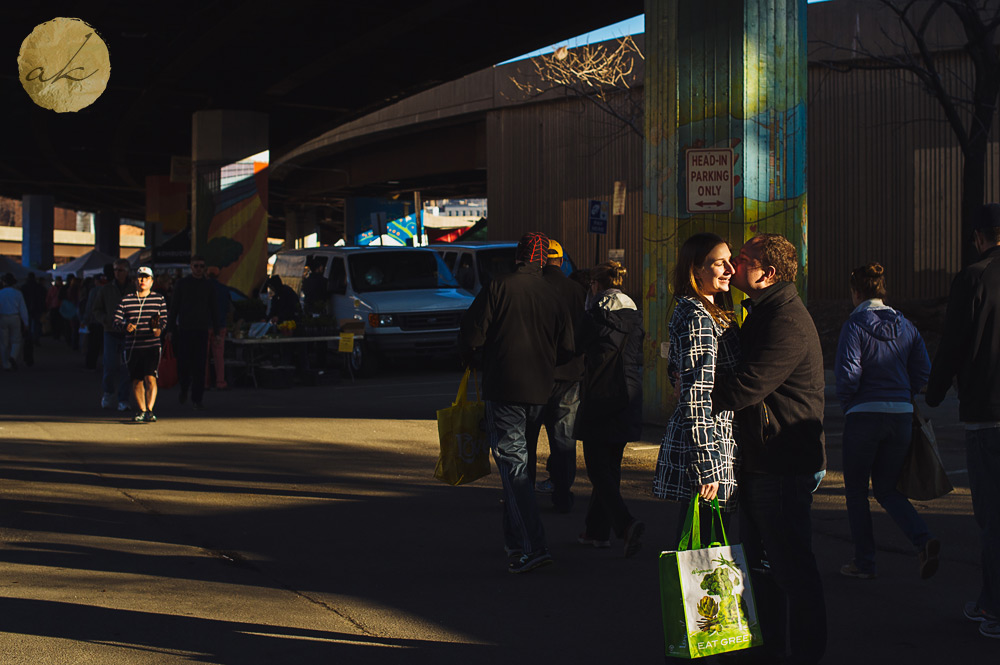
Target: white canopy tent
x,y
90,264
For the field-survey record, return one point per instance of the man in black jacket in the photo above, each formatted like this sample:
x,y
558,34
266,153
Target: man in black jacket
x,y
970,351
524,331
192,315
559,413
777,394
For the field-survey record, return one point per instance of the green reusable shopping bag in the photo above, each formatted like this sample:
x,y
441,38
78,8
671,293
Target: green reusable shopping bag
x,y
465,451
705,593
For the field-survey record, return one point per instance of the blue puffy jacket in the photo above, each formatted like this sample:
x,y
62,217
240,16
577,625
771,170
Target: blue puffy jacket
x,y
880,357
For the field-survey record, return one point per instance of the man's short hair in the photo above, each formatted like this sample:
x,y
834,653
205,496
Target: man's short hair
x,y
197,257
777,252
122,263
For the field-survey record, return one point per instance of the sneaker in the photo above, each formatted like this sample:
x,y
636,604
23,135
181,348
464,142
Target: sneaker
x,y
529,562
973,612
140,417
544,486
198,406
599,543
990,629
107,401
150,417
928,558
851,570
183,397
123,406
633,537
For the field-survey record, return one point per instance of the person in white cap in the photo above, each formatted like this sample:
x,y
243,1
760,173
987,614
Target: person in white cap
x,y
141,316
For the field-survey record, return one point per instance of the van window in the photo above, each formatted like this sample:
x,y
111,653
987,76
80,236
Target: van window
x,y
495,262
338,277
399,271
449,260
465,273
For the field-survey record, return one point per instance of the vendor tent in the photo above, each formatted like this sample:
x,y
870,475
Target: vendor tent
x,y
8,265
91,263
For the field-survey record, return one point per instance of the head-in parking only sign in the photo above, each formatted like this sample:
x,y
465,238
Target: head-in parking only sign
x,y
709,180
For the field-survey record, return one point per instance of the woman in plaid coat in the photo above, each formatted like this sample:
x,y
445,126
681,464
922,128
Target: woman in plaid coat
x,y
698,453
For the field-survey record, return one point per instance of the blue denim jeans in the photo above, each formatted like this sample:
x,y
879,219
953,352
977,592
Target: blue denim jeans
x,y
983,450
875,447
116,380
559,417
775,526
506,424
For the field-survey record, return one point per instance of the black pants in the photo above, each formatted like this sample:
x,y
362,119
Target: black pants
x,y
191,348
95,344
607,509
775,525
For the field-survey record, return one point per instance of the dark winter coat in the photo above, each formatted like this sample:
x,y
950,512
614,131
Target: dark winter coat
x,y
611,337
574,295
970,343
778,389
880,357
524,330
193,305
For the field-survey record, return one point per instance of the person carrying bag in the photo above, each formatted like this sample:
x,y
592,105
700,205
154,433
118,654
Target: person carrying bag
x,y
465,452
705,593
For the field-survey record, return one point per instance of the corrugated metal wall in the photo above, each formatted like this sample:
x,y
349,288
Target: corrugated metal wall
x,y
547,161
885,179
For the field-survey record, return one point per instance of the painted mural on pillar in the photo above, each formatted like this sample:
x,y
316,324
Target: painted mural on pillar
x,y
720,75
234,235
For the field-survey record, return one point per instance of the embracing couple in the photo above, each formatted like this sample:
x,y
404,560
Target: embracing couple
x,y
766,378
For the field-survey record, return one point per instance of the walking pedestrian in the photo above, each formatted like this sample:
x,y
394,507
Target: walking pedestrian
x,y
698,453
524,330
140,316
777,394
560,411
969,354
191,317
610,415
880,367
13,320
115,377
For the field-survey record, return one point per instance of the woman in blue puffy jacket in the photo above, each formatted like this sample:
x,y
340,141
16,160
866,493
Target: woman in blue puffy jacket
x,y
881,365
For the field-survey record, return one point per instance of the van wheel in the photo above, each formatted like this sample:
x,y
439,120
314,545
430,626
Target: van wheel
x,y
362,360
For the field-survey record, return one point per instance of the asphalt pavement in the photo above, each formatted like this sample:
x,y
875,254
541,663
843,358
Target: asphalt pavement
x,y
303,525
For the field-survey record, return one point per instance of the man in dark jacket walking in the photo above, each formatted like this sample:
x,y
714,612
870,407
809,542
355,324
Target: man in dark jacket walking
x,y
524,331
777,394
192,316
970,351
559,413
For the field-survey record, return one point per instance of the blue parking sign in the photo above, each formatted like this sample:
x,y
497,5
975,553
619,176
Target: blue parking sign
x,y
599,217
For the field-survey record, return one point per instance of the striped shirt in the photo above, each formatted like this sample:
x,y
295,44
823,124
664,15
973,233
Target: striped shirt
x,y
140,311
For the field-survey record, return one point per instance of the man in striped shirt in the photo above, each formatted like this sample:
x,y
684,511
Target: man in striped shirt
x,y
140,315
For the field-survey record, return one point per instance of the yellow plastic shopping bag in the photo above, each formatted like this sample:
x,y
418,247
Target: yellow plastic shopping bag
x,y
465,452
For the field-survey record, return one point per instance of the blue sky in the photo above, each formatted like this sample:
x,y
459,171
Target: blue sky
x,y
632,26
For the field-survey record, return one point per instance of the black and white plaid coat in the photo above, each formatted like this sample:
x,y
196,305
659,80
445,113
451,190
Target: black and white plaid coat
x,y
697,448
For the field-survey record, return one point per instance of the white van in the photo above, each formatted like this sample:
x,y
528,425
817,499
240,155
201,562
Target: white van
x,y
404,298
476,263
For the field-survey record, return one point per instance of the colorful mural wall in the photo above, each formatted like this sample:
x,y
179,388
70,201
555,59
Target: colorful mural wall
x,y
719,74
231,231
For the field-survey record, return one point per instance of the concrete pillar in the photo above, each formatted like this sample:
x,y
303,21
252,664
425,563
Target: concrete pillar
x,y
301,226
37,227
721,75
229,226
107,233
